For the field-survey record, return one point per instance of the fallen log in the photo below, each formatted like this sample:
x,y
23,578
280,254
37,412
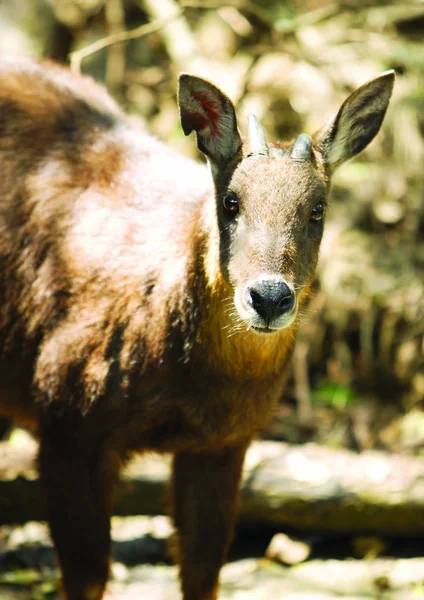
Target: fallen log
x,y
307,488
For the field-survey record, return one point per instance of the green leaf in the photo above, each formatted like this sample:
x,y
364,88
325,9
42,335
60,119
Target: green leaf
x,y
333,394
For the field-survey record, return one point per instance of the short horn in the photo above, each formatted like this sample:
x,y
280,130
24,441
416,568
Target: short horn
x,y
302,148
256,141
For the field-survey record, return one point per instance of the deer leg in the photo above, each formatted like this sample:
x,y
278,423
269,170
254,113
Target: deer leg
x,y
204,493
78,478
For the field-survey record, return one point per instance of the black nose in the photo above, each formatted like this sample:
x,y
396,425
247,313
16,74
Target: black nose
x,y
270,299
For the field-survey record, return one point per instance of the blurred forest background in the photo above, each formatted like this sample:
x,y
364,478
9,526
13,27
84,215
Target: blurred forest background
x,y
358,370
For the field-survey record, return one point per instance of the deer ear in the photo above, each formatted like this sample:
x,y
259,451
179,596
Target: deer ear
x,y
357,122
210,113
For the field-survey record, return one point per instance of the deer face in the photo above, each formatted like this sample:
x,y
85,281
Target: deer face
x,y
271,199
271,222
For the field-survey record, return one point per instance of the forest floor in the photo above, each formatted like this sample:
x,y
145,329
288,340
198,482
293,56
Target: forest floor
x,y
140,568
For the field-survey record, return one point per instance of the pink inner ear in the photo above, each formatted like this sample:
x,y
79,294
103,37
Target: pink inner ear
x,y
211,117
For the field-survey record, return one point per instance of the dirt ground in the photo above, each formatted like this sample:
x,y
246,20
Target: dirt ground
x,y
140,570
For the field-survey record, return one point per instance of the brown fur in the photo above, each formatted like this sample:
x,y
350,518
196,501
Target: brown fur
x,y
118,329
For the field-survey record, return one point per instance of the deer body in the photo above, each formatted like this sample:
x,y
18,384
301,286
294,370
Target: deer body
x,y
142,308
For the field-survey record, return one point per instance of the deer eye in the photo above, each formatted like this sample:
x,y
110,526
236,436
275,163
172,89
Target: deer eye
x,y
231,204
317,212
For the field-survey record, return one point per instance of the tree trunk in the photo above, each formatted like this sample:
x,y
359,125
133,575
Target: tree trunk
x,y
307,488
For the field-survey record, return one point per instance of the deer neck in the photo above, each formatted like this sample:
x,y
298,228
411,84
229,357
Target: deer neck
x,y
227,344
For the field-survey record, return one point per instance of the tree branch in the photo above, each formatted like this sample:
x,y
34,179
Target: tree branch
x,y
122,36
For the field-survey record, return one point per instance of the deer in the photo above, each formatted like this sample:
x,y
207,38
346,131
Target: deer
x,y
149,303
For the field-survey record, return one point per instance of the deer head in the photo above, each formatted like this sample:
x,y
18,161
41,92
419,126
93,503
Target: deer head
x,y
271,199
